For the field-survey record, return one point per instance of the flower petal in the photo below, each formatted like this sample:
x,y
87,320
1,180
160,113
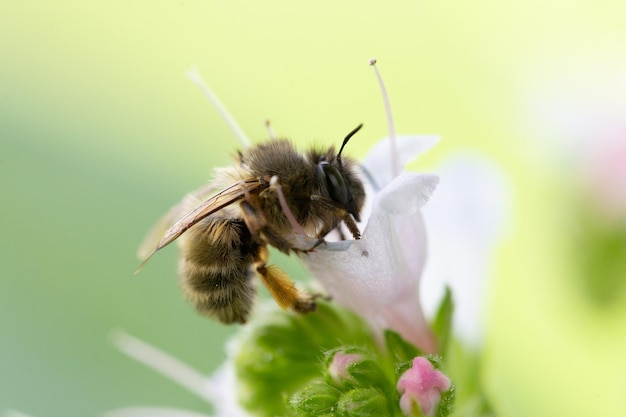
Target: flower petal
x,y
466,218
222,389
378,160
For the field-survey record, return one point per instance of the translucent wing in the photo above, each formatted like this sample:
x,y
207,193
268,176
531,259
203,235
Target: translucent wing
x,y
155,234
224,198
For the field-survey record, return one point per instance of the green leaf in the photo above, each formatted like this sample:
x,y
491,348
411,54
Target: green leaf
x,y
442,324
399,349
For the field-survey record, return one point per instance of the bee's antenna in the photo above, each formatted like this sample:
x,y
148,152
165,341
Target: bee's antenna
x,y
194,75
352,133
390,125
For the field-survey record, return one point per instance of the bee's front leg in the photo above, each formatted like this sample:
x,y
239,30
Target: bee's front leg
x,y
340,213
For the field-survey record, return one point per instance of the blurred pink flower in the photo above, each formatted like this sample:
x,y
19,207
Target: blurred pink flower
x,y
605,174
585,115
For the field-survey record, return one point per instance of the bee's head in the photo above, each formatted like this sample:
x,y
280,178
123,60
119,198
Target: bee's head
x,y
343,186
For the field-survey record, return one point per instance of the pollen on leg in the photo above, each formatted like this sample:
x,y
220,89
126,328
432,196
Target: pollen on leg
x,y
283,289
280,286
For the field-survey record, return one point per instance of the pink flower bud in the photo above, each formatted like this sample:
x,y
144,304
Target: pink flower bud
x,y
338,368
422,385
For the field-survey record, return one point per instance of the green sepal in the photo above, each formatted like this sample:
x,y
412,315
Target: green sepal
x,y
446,403
314,399
364,402
399,349
367,373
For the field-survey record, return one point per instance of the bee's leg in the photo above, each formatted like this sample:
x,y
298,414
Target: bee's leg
x,y
323,233
255,220
275,184
342,214
350,223
257,224
281,287
342,235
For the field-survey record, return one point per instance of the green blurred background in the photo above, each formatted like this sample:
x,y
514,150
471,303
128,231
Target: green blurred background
x,y
100,133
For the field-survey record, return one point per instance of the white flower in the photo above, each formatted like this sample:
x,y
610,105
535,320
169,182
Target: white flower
x,y
465,220
378,276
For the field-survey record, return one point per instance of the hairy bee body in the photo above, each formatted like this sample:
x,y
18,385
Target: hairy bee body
x,y
214,268
226,244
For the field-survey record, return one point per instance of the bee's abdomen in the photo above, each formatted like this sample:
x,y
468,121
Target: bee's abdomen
x,y
215,268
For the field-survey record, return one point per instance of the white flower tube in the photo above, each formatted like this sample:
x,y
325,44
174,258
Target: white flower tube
x,y
378,276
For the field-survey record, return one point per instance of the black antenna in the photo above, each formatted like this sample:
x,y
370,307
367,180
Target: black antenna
x,y
356,129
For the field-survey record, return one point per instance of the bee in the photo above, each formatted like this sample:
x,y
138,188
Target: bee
x,y
273,195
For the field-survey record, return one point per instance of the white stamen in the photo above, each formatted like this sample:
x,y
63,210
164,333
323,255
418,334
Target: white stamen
x,y
270,129
161,362
194,75
283,204
395,168
151,412
14,413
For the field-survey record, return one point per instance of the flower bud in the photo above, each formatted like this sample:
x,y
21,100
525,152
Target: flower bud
x,y
421,386
354,367
338,368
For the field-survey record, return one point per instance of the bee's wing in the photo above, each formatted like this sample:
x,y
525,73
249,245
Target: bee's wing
x,y
214,203
155,234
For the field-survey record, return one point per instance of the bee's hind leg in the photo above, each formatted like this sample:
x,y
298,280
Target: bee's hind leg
x,y
281,287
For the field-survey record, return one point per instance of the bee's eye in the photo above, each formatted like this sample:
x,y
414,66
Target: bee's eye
x,y
335,183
